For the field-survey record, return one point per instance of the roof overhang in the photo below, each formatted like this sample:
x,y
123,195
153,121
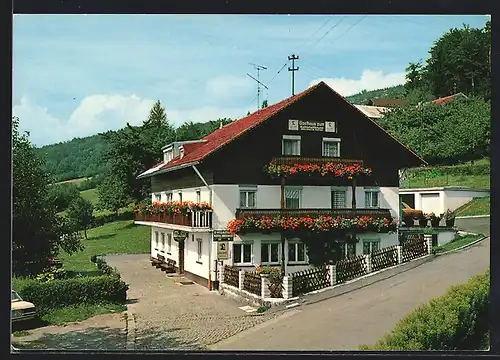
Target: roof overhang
x,y
158,170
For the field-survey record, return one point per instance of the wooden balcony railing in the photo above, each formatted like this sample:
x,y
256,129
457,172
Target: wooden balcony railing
x,y
378,213
197,219
292,160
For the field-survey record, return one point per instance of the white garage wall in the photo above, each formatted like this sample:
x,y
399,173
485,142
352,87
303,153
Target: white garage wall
x,y
456,198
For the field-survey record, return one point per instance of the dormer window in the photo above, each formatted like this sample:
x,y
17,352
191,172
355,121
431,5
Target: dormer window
x,y
181,151
167,155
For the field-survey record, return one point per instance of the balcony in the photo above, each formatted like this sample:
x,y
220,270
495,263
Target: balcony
x,y
193,219
293,160
349,213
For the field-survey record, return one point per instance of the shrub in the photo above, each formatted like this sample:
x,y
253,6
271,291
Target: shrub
x,y
458,320
84,290
100,220
52,273
105,268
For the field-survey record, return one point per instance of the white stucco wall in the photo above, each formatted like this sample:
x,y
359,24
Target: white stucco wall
x,y
227,198
191,263
188,194
174,251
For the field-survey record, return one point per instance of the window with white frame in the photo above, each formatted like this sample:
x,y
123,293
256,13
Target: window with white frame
x,y
157,197
370,245
270,253
169,243
331,147
338,198
180,196
169,196
293,197
162,235
157,240
291,145
296,252
371,198
347,250
198,196
247,197
242,253
200,248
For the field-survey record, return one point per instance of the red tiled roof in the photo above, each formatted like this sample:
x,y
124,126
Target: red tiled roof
x,y
197,151
447,98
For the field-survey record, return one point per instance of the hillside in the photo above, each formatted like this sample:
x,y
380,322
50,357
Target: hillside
x,y
393,92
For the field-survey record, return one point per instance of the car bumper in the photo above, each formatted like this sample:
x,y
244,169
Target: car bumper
x,y
26,316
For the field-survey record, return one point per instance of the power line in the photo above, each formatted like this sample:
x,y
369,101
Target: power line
x,y
333,27
345,32
280,70
314,33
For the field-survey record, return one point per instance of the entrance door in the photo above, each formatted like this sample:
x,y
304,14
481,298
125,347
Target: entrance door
x,y
181,257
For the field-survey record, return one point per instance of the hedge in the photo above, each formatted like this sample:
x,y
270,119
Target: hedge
x,y
61,293
100,220
458,320
457,170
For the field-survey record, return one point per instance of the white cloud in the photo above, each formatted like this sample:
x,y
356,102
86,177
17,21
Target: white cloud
x,y
99,112
229,87
369,80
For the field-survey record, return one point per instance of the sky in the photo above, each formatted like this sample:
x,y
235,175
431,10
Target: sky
x,y
77,75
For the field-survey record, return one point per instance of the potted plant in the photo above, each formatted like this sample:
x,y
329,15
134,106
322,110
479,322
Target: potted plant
x,y
434,219
449,218
422,220
409,220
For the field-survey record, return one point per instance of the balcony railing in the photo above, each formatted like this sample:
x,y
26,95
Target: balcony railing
x,y
292,160
378,213
196,219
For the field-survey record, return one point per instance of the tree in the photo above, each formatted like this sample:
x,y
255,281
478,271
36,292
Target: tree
x,y
37,231
63,194
80,213
264,104
113,193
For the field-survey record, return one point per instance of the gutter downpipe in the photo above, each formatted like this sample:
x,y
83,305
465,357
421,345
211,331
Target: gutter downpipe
x,y
211,237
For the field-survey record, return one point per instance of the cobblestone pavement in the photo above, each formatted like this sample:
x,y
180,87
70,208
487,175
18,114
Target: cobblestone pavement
x,y
173,316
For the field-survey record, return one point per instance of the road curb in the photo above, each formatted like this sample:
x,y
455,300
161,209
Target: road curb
x,y
472,217
130,328
462,247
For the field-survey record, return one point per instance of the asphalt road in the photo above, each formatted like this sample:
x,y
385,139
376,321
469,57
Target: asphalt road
x,y
479,225
364,315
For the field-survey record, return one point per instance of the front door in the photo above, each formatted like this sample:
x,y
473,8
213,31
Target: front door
x,y
181,257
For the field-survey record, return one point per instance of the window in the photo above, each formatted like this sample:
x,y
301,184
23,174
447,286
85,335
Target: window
x,y
296,252
169,197
157,197
370,246
200,248
157,242
198,196
270,253
169,243
338,198
247,198
291,145
347,250
180,196
242,253
331,147
292,198
163,242
371,198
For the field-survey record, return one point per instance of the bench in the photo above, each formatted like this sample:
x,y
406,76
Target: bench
x,y
157,261
168,265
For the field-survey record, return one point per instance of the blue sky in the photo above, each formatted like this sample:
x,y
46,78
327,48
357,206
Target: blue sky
x,y
76,75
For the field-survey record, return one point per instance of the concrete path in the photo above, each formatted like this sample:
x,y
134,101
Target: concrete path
x,y
363,316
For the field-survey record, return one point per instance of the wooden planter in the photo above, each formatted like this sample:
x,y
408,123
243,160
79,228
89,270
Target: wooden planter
x,y
435,223
422,222
409,221
450,222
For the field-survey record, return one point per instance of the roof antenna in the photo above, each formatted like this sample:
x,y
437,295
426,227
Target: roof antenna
x,y
220,126
258,68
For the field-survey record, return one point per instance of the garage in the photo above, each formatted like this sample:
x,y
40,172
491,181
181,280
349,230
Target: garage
x,y
430,202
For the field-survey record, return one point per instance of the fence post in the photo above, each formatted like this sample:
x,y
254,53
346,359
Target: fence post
x,y
241,276
221,273
265,292
287,287
428,240
333,274
400,254
368,259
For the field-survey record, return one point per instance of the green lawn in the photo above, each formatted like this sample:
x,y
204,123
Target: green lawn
x,y
473,181
461,241
75,181
478,206
90,195
119,237
80,312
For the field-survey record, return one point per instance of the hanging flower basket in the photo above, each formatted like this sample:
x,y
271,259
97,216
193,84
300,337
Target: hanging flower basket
x,y
348,171
158,211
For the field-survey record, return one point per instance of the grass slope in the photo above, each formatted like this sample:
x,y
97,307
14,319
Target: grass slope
x,y
478,206
457,243
472,181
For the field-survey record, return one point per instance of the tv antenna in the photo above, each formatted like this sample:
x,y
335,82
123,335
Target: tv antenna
x,y
259,68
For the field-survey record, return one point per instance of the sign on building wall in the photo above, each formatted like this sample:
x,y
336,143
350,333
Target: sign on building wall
x,y
319,126
222,235
223,250
180,235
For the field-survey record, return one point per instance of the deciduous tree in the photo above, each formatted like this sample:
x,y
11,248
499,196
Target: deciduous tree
x,y
80,213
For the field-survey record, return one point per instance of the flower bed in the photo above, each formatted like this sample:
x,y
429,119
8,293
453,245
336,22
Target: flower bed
x,y
348,171
172,207
320,223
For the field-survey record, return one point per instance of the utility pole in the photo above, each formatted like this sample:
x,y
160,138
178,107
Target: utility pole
x,y
293,57
258,68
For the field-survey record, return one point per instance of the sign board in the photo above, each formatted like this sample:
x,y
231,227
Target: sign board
x,y
222,235
318,126
411,235
223,250
180,235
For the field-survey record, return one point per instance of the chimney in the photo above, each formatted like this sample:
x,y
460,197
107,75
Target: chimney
x,y
220,126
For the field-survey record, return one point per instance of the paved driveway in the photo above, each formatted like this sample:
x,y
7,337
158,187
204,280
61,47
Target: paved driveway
x,y
172,316
478,225
363,316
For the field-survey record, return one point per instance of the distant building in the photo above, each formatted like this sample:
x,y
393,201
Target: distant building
x,y
449,98
386,102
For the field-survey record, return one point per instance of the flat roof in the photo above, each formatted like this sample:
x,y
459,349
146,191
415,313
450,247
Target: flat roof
x,y
441,188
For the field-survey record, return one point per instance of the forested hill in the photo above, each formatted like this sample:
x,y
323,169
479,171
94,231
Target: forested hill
x,y
393,92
